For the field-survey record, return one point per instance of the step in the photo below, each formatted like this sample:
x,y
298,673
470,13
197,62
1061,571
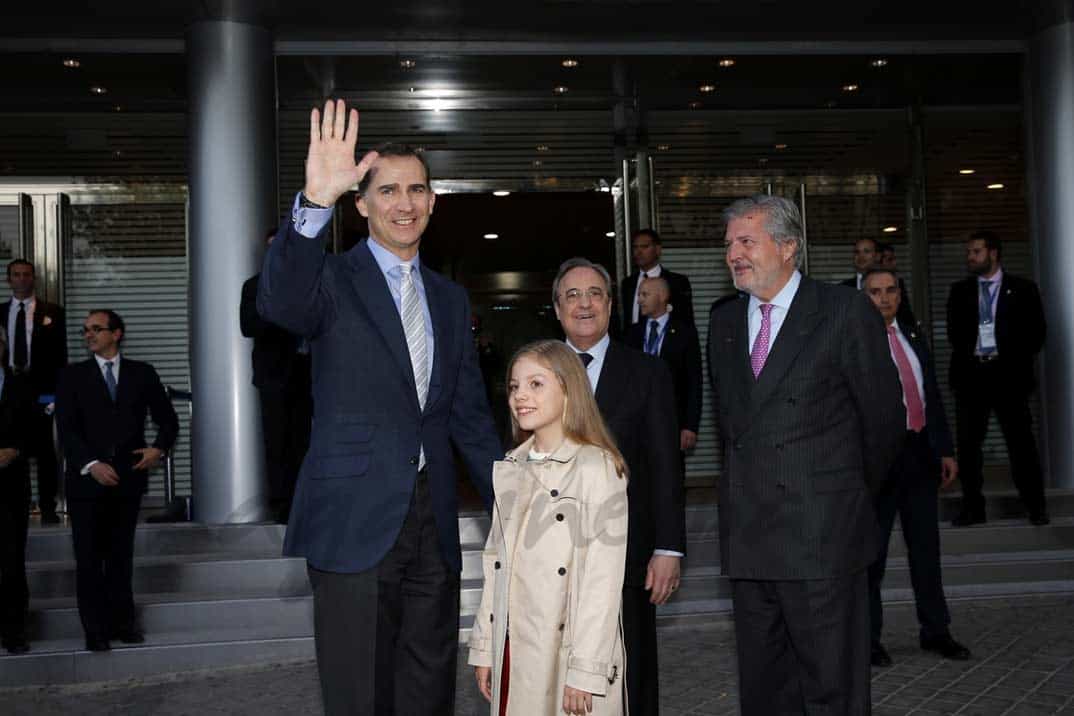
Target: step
x,y
997,536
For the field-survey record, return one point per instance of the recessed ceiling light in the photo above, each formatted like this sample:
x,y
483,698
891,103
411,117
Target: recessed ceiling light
x,y
663,147
890,229
570,62
850,87
501,192
71,62
490,237
542,147
413,89
997,185
610,234
118,153
763,160
694,105
781,146
408,64
117,108
537,162
560,89
97,89
966,171
707,88
879,62
727,62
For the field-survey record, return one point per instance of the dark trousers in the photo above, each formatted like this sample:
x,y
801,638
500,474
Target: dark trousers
x,y
911,490
285,426
42,448
639,639
387,638
990,389
14,522
803,646
103,533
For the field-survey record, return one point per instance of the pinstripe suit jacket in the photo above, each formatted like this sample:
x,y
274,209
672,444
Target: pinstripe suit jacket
x,y
806,443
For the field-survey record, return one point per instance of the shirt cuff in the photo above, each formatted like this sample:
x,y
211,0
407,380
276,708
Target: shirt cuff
x,y
667,553
309,221
86,468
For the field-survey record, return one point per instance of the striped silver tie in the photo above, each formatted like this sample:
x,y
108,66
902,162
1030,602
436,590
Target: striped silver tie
x,y
414,328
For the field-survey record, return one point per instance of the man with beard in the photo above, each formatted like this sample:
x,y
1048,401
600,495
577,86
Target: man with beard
x,y
995,323
809,410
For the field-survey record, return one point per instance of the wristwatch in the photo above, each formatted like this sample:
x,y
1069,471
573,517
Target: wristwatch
x,y
305,203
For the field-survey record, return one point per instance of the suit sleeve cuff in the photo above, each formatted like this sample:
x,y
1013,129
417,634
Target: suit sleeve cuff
x,y
86,468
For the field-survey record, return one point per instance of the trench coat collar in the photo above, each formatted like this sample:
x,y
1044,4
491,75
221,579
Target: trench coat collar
x,y
566,451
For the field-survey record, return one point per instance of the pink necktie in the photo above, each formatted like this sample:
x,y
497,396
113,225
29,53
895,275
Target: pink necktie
x,y
759,354
915,411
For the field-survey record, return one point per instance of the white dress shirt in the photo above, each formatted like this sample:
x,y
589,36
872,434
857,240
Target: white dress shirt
x,y
13,311
115,374
782,303
661,331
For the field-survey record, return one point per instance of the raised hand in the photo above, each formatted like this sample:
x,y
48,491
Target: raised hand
x,y
330,166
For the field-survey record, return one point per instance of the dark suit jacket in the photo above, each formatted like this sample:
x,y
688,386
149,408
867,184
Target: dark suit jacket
x,y
48,345
936,427
275,350
92,427
681,350
15,404
682,295
805,443
905,315
355,484
635,397
1020,330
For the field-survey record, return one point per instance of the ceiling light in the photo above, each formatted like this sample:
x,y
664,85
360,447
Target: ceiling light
x,y
560,89
490,237
419,149
879,62
542,147
707,88
850,87
663,147
763,160
569,62
966,171
537,162
501,192
890,229
97,89
694,105
117,108
413,89
610,234
408,64
781,146
438,105
997,185
727,62
71,62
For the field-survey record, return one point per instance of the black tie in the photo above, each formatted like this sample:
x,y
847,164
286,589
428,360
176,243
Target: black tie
x,y
586,359
654,337
21,354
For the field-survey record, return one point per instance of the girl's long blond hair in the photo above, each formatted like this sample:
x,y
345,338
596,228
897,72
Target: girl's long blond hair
x,y
582,421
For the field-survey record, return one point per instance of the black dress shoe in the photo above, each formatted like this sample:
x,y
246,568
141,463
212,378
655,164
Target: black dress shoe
x,y
1039,519
129,636
16,646
50,518
97,644
879,655
945,646
967,518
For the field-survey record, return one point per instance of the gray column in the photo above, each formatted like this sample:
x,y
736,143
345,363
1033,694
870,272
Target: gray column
x,y
232,174
1050,170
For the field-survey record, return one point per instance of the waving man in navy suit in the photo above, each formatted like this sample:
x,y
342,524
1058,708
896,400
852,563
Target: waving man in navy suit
x,y
396,382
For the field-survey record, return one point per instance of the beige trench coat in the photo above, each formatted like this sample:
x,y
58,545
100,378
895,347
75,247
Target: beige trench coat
x,y
553,567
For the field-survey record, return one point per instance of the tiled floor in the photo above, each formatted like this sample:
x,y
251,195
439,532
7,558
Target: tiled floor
x,y
1023,664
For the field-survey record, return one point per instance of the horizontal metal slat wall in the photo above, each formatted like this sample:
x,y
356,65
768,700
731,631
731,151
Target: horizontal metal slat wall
x,y
132,258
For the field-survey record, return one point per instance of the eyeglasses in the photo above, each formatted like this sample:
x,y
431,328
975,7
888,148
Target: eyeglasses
x,y
94,329
574,295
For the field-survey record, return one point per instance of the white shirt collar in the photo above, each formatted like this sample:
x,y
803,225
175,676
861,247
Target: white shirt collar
x,y
782,299
654,272
597,350
114,361
660,322
28,302
996,280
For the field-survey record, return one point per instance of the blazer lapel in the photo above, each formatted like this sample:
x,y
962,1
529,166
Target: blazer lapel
x,y
376,299
441,331
801,319
1002,301
612,379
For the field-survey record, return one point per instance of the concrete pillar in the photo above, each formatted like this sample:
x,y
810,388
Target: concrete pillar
x,y
231,156
1050,149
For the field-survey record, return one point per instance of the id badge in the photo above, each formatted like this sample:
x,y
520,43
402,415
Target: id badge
x,y
988,336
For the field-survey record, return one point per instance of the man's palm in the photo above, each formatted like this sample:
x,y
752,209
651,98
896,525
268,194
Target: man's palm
x,y
330,166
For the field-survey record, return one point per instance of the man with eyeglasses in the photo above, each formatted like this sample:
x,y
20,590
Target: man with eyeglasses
x,y
101,407
635,394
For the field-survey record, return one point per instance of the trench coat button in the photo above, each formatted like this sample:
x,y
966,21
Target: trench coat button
x,y
497,565
562,571
561,627
555,493
414,460
492,617
559,517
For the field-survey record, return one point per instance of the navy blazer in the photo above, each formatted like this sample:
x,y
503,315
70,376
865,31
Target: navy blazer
x,y
936,427
681,350
356,481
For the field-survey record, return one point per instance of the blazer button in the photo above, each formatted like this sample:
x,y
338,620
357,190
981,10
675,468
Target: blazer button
x,y
562,571
414,460
738,445
555,493
497,565
559,517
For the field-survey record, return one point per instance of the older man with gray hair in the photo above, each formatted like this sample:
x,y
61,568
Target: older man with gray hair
x,y
810,414
635,395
